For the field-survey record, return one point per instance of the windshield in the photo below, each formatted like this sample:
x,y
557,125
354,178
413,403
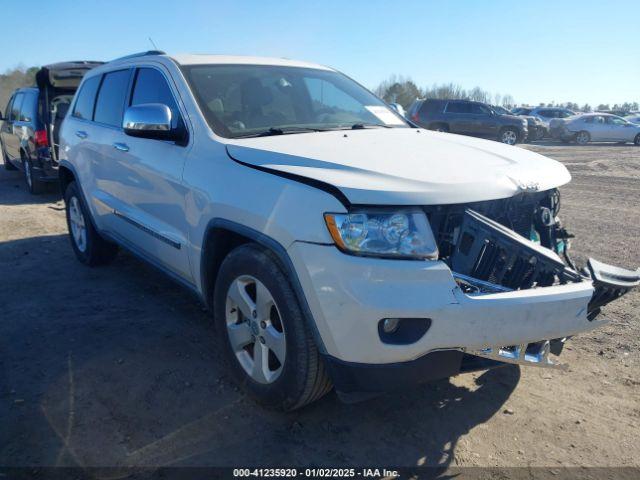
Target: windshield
x,y
250,100
501,110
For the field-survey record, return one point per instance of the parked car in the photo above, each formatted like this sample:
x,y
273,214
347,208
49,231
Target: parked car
x,y
469,118
598,127
29,133
336,245
535,127
547,114
633,118
398,108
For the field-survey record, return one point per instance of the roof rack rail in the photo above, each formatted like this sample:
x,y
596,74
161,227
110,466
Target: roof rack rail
x,y
141,54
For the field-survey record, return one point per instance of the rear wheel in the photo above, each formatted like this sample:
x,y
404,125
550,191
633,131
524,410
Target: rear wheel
x,y
636,141
267,340
509,136
539,133
582,138
90,248
34,185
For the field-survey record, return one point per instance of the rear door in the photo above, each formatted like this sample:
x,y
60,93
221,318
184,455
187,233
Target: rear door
x,y
597,128
459,117
149,196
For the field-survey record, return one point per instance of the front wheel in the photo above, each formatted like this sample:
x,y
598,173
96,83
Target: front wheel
x,y
90,248
268,342
636,141
509,136
582,138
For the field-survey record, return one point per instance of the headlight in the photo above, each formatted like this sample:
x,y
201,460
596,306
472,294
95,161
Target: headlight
x,y
380,233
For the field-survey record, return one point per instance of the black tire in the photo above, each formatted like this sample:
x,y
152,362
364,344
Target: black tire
x,y
508,135
34,185
7,164
96,250
583,137
636,141
540,133
439,127
303,378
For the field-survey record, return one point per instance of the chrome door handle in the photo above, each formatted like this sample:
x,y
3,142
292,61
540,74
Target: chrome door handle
x,y
123,147
81,134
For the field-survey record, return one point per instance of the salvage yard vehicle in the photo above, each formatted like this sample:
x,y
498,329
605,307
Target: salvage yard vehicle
x,y
337,245
597,127
30,132
535,127
469,118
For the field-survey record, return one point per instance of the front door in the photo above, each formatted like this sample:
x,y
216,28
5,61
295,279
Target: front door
x,y
147,181
11,132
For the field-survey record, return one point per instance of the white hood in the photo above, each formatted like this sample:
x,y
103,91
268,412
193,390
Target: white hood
x,y
404,166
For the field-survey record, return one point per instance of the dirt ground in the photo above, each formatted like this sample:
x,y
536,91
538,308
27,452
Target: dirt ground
x,y
119,366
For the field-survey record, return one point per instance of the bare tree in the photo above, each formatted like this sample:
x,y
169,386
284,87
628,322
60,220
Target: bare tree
x,y
15,78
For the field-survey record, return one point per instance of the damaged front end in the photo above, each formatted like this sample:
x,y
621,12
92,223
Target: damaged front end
x,y
519,243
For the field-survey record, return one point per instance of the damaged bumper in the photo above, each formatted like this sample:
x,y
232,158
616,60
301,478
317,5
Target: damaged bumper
x,y
494,297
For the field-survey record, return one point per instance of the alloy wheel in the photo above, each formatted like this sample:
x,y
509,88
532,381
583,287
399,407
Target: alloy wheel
x,y
255,329
78,227
509,137
582,138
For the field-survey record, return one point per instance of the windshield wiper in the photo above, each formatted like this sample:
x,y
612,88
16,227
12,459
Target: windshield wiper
x,y
360,126
271,131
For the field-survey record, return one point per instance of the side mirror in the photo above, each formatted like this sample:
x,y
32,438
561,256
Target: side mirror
x,y
150,120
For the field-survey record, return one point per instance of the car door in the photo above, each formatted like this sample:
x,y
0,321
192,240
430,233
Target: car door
x,y
11,130
484,123
459,118
599,130
618,129
4,125
146,180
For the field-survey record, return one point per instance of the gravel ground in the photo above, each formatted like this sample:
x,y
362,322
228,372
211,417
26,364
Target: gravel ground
x,y
118,366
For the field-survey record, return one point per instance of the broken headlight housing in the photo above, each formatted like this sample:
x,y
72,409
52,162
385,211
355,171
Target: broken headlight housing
x,y
383,233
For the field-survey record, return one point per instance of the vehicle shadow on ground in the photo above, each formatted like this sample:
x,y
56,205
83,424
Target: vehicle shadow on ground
x,y
117,366
20,195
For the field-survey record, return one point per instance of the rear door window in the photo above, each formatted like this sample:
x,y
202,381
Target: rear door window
x,y
29,108
458,107
87,98
111,98
16,106
151,87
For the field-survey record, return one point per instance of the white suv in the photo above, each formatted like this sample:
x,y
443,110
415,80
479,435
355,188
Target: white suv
x,y
336,244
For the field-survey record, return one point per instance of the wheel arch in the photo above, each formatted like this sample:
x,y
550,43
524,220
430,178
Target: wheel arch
x,y
66,175
221,237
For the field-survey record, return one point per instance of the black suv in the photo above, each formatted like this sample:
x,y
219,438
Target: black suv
x,y
30,127
468,118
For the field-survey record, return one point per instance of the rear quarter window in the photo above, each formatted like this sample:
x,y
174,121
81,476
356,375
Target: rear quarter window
x,y
29,108
86,98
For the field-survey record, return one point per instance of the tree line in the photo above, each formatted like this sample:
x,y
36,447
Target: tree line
x,y
395,89
15,78
403,90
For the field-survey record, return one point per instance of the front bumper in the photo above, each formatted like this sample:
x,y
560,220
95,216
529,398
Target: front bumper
x,y
348,296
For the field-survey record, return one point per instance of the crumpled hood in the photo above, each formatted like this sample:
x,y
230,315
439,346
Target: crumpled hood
x,y
403,166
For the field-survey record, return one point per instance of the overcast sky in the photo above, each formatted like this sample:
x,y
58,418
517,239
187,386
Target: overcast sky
x,y
537,51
